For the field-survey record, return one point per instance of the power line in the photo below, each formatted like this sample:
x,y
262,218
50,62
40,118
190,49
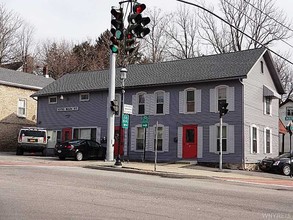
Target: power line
x,y
255,21
269,16
189,3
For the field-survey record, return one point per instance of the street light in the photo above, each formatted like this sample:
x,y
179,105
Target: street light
x,y
123,73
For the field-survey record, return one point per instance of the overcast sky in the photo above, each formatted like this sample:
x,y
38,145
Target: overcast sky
x,y
78,20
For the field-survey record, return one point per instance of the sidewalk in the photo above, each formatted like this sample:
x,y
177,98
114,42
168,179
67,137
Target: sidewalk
x,y
197,172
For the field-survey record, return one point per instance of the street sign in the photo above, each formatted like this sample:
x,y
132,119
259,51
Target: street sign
x,y
125,121
127,109
289,118
145,121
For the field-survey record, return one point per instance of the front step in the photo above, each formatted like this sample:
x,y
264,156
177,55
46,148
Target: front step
x,y
191,162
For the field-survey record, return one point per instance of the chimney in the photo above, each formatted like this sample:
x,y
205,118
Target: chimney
x,y
45,71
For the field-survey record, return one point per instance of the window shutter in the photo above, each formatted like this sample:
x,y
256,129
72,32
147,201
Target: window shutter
x,y
147,103
166,139
213,139
153,104
231,99
199,142
231,138
179,143
181,102
134,104
150,139
133,138
167,103
198,100
212,101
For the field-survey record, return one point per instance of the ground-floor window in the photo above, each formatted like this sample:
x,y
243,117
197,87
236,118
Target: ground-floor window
x,y
224,138
160,139
139,138
85,133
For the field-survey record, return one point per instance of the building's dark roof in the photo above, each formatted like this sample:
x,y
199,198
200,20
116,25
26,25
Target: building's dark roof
x,y
200,69
23,80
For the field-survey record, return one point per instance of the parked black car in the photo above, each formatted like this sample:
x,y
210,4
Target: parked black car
x,y
279,164
80,149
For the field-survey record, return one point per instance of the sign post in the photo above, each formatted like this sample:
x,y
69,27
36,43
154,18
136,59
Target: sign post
x,y
145,125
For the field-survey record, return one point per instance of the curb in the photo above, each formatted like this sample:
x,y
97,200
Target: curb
x,y
148,172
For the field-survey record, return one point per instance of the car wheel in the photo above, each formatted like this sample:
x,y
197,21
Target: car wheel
x,y
286,170
19,151
61,158
79,156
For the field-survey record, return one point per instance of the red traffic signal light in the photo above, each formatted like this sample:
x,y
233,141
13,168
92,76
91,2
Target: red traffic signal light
x,y
129,43
138,8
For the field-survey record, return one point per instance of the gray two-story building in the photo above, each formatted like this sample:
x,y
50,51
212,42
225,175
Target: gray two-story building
x,y
183,97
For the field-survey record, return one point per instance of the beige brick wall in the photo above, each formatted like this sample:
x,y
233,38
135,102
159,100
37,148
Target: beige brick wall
x,y
10,123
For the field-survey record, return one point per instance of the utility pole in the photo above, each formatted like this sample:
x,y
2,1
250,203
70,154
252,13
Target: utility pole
x,y
222,107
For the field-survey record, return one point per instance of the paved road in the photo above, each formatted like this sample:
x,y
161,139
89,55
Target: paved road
x,y
61,192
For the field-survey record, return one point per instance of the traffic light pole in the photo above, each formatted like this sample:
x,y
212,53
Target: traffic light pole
x,y
111,114
221,143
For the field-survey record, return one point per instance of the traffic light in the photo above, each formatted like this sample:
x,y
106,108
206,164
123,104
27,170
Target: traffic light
x,y
129,42
223,108
117,30
115,106
137,23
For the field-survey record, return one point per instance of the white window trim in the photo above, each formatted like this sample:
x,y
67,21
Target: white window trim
x,y
135,138
25,108
185,100
164,103
290,109
227,138
265,106
145,102
251,138
217,95
50,99
98,132
84,100
265,140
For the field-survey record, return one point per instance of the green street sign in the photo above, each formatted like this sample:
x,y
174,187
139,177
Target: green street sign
x,y
125,121
145,121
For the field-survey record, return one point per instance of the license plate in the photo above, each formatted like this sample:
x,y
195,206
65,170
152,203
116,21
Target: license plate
x,y
33,140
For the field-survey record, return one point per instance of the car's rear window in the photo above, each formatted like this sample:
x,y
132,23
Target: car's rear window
x,y
77,142
33,133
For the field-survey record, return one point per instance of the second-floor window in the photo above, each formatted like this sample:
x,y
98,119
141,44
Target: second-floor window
x,y
268,101
190,100
222,95
141,104
52,99
84,97
159,102
289,111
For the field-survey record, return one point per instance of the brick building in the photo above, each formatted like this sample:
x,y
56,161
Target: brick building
x,y
17,108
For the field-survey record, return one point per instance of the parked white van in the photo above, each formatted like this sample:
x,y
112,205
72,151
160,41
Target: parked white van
x,y
32,139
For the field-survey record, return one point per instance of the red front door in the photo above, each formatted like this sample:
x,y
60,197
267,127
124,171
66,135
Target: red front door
x,y
66,134
189,141
116,144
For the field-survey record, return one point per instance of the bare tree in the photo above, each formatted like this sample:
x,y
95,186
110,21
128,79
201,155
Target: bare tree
x,y
182,30
58,57
15,37
155,45
286,75
255,18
